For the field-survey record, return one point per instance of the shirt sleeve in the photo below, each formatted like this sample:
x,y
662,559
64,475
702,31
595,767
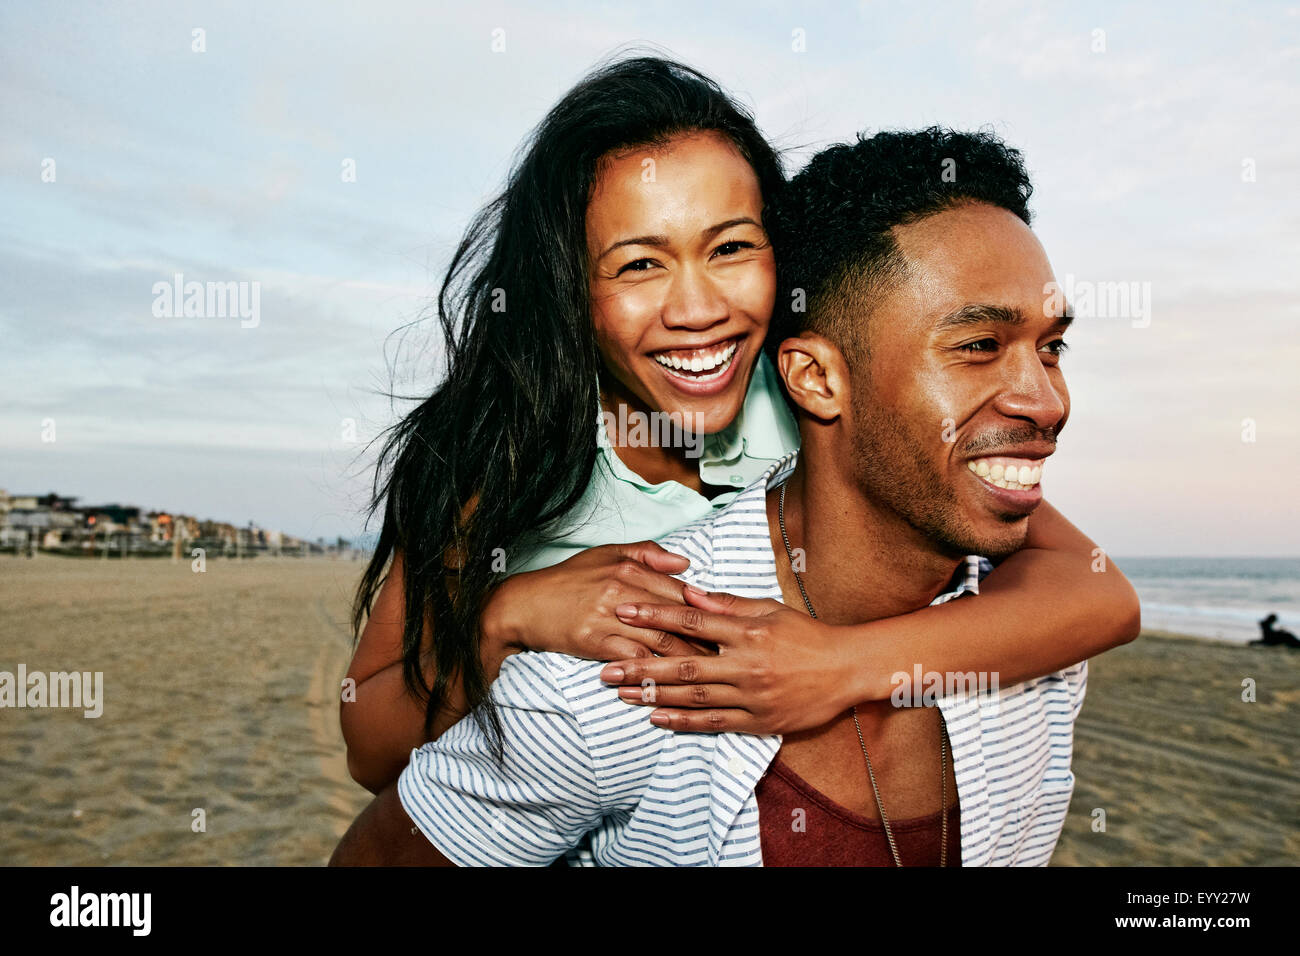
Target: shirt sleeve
x,y
525,810
1076,679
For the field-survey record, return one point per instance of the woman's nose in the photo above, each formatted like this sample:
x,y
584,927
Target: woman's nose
x,y
694,302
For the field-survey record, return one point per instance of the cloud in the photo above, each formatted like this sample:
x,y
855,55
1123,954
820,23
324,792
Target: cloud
x,y
226,166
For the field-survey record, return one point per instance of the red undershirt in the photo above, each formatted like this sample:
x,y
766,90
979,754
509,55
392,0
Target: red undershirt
x,y
827,834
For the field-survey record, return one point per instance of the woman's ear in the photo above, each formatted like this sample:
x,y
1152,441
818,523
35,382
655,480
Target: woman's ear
x,y
815,375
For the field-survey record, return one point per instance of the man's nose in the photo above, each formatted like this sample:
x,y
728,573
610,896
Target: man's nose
x,y
694,301
1029,392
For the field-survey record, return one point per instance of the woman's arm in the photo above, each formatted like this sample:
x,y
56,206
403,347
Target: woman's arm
x,y
568,608
382,721
1057,601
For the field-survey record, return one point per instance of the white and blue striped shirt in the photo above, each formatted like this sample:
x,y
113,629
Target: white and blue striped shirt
x,y
587,775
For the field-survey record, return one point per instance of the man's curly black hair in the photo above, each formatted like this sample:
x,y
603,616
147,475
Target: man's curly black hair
x,y
831,225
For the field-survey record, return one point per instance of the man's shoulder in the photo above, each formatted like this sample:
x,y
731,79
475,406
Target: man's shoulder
x,y
695,543
565,698
543,680
529,675
740,526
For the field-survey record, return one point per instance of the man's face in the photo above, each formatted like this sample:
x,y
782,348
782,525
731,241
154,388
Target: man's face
x,y
961,398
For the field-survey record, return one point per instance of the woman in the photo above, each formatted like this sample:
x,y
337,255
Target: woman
x,y
625,270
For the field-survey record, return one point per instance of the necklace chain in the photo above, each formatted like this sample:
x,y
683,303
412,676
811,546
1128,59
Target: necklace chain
x,y
871,773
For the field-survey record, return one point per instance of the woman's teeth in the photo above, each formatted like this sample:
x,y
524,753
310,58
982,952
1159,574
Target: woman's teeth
x,y
699,365
1015,474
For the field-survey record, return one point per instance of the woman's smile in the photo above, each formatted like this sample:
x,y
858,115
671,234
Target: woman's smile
x,y
706,370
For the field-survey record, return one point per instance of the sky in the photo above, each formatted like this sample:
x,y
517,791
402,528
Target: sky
x,y
1162,141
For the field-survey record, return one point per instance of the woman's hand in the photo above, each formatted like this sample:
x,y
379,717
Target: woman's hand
x,y
776,671
569,608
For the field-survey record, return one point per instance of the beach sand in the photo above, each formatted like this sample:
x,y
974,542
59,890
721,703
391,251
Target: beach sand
x,y
1187,772
221,693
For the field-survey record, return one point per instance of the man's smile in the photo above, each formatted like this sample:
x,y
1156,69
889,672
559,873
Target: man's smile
x,y
1018,474
1012,477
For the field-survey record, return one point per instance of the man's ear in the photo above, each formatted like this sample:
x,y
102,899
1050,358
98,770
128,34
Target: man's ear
x,y
815,375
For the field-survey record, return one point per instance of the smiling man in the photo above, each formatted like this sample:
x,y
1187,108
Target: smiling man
x,y
925,372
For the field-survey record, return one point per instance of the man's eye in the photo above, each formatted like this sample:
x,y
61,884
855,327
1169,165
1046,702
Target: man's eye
x,y
1058,347
636,265
983,345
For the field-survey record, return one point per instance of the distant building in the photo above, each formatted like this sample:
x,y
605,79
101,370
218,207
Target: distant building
x,y
114,517
52,502
47,520
57,523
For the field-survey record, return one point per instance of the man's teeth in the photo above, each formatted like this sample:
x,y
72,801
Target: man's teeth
x,y
1016,474
697,361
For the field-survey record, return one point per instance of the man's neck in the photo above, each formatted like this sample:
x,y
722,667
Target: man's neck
x,y
859,563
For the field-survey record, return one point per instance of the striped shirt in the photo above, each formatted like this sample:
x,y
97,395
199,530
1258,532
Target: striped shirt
x,y
588,776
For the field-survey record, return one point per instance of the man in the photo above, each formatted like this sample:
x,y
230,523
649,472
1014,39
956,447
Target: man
x,y
925,372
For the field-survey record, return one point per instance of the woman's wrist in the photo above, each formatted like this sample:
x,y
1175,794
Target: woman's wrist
x,y
500,632
867,670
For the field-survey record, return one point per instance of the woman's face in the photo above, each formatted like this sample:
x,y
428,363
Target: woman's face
x,y
683,278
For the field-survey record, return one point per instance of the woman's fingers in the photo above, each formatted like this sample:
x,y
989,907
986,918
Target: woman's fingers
x,y
669,670
720,602
622,641
652,641
696,695
712,721
657,586
687,621
616,647
654,557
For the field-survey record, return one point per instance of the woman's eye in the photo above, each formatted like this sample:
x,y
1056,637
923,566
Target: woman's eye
x,y
731,248
636,265
983,345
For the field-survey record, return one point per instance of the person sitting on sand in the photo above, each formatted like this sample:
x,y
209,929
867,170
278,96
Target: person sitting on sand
x,y
1271,636
926,377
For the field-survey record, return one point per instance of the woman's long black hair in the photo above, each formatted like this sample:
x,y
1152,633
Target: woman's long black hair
x,y
505,446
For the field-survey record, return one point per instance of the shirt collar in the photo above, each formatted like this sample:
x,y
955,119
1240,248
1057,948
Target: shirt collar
x,y
765,427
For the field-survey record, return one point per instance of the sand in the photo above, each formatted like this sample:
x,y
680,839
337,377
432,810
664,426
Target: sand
x,y
1187,772
221,695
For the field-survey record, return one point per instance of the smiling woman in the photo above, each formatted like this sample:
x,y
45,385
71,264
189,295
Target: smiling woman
x,y
648,184
682,292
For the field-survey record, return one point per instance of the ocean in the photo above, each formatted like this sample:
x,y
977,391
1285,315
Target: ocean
x,y
1216,597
